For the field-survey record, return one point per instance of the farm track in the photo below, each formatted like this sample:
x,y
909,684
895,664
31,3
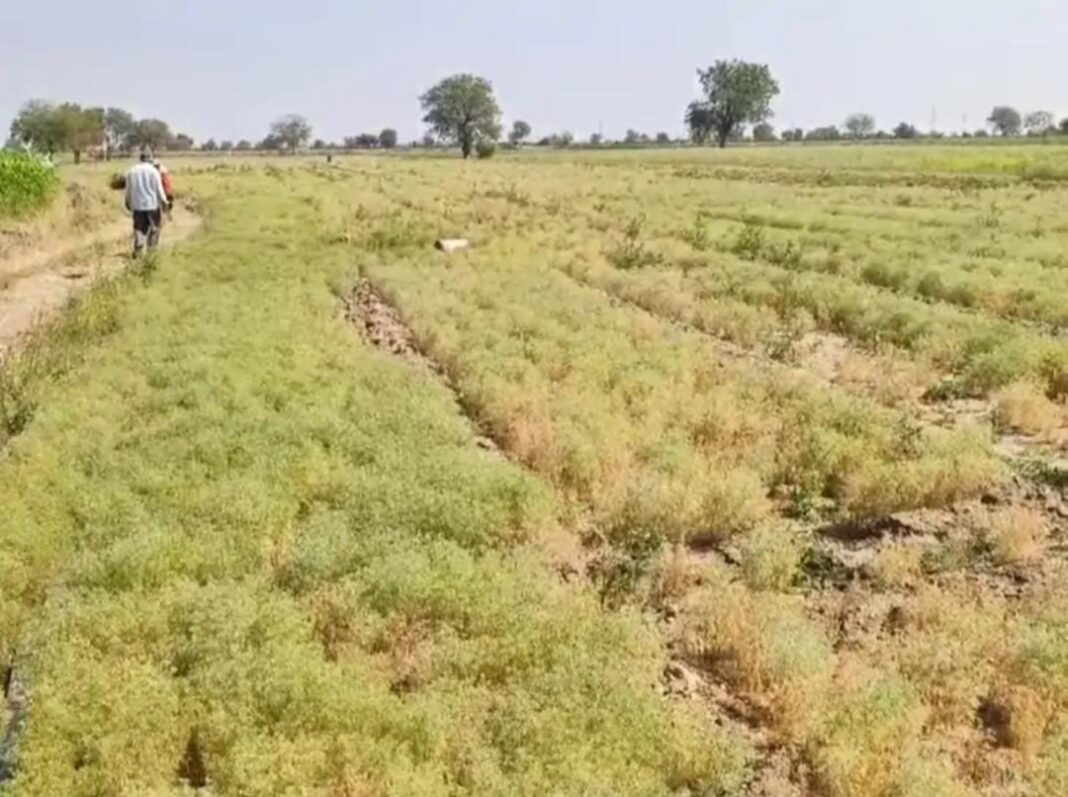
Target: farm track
x,y
37,289
39,286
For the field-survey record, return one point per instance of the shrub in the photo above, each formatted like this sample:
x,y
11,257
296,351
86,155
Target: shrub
x,y
770,558
750,242
27,184
485,149
1017,535
630,251
763,643
897,565
1023,407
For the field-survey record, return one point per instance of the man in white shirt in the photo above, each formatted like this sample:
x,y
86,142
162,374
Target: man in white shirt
x,y
146,200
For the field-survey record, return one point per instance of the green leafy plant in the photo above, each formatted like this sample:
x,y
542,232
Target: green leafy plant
x,y
27,184
750,243
630,252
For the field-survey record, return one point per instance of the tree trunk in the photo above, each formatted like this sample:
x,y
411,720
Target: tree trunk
x,y
77,156
723,134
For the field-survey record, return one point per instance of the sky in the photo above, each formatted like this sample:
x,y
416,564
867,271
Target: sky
x,y
227,68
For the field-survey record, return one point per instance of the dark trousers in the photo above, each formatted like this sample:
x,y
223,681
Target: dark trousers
x,y
146,225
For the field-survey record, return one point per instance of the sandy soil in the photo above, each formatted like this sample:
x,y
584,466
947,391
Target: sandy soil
x,y
37,283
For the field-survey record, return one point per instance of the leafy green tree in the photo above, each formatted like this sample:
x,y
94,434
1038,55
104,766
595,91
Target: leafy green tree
x,y
209,146
51,128
462,109
150,134
1064,125
387,139
596,140
39,127
736,93
632,137
291,132
905,130
118,126
860,125
243,145
763,132
226,146
520,132
182,143
1005,120
1038,122
663,138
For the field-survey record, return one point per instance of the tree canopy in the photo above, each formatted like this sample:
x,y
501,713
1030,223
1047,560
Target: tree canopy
x,y
291,131
763,132
119,125
1006,120
860,125
387,139
54,128
462,110
736,93
905,130
520,132
151,134
1038,122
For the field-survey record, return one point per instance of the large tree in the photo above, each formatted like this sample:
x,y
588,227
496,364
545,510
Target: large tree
x,y
387,139
1038,122
151,134
763,132
118,126
905,130
53,128
520,132
860,125
291,131
462,110
736,93
83,127
1006,120
39,126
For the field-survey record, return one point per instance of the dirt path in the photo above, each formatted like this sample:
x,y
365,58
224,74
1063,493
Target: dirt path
x,y
36,284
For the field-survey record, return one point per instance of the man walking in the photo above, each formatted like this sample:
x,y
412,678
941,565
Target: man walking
x,y
145,199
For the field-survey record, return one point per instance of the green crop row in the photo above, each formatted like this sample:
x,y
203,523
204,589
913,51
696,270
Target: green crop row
x,y
27,184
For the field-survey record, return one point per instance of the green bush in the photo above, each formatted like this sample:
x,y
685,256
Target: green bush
x,y
27,184
485,149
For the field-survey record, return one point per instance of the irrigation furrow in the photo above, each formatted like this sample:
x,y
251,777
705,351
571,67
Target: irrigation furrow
x,y
383,327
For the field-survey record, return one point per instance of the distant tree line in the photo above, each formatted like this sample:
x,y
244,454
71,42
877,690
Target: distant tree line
x,y
462,111
68,127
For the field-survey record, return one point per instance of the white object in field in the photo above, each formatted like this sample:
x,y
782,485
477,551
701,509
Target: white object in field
x,y
451,244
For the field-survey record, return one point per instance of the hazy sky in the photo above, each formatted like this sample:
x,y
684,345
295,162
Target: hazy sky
x,y
226,68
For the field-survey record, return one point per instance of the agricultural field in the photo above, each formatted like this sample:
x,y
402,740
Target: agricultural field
x,y
698,473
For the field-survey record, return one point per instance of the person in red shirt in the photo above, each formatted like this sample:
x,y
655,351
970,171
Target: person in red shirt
x,y
168,185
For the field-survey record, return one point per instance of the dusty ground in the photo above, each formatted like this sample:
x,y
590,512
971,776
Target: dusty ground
x,y
39,280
